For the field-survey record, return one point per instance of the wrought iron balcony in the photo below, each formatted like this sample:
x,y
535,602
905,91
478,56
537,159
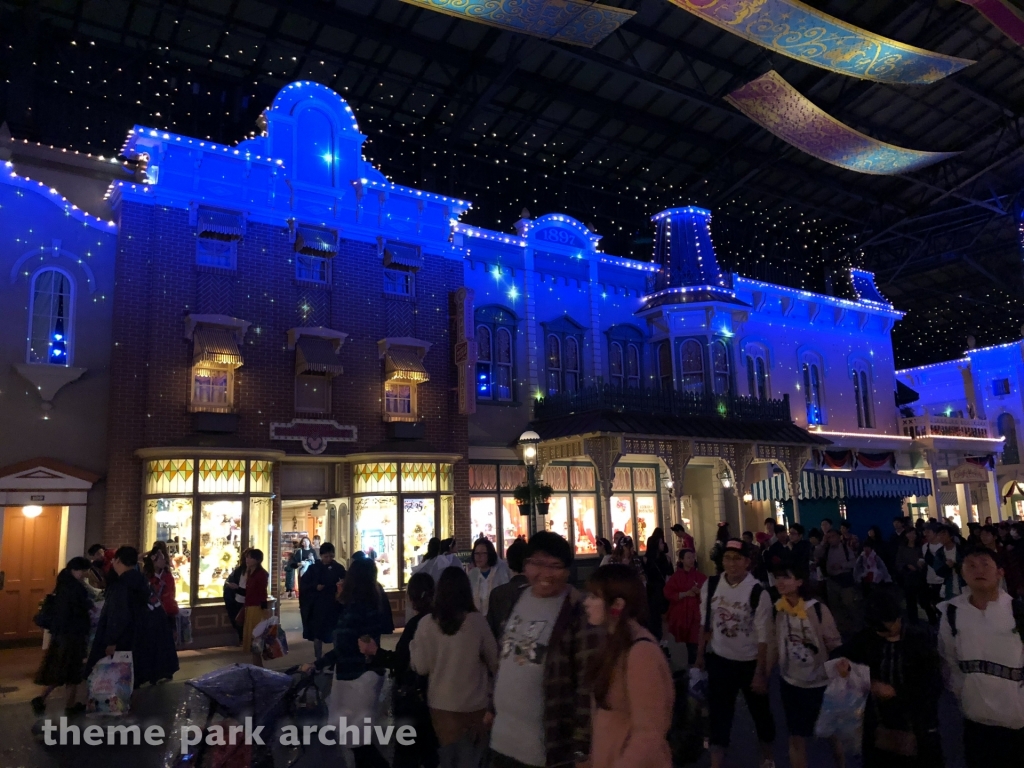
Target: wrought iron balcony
x,y
606,397
927,426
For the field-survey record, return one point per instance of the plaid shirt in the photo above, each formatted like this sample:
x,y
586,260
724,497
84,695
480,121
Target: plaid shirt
x,y
566,692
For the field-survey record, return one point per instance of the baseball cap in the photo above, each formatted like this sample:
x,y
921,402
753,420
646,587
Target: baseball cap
x,y
738,545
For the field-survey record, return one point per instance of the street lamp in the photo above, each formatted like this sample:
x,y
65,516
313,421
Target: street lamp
x,y
528,442
725,479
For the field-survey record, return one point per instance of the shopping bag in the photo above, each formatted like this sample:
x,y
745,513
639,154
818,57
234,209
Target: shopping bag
x,y
95,611
183,629
699,685
272,640
111,683
842,710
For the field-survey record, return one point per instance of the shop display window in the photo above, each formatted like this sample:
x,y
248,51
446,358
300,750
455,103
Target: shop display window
x,y
170,520
261,477
220,546
483,518
646,520
222,476
447,517
447,478
419,477
261,524
376,478
584,515
376,534
169,476
417,530
622,515
515,522
558,516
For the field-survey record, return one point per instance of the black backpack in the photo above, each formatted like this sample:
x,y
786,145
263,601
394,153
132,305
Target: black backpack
x,y
44,619
755,598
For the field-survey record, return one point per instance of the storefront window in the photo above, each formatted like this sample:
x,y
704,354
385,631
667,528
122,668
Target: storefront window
x,y
584,516
646,520
376,528
376,478
515,521
222,476
169,476
260,477
220,546
417,530
447,479
170,520
447,517
558,517
622,515
419,477
261,523
483,518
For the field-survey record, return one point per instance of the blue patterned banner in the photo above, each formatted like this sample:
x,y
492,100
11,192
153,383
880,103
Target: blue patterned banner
x,y
568,21
796,30
778,107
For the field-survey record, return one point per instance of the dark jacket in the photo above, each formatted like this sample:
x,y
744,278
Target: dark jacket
x,y
499,605
319,608
778,554
567,716
71,607
354,621
386,617
233,606
121,622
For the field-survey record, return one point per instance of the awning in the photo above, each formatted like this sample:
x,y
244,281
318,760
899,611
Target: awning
x,y
219,225
314,354
402,256
948,499
840,485
404,364
316,242
212,345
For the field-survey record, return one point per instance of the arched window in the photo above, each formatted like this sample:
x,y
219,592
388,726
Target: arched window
x,y
693,367
665,365
50,320
813,396
633,366
316,151
1007,428
720,366
616,369
757,371
554,361
572,364
862,395
495,343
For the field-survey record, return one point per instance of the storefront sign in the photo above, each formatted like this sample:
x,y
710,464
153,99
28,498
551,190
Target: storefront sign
x,y
315,434
968,473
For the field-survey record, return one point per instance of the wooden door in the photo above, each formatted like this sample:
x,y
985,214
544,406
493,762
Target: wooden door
x,y
28,559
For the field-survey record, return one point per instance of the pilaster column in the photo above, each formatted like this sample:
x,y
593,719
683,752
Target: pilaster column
x,y
934,509
963,500
793,465
533,341
742,457
995,497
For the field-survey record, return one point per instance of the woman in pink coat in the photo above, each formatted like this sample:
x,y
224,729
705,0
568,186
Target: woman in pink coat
x,y
682,591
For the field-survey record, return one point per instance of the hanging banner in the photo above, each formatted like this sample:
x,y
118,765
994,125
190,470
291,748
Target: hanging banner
x,y
988,462
808,35
885,460
834,459
1003,15
778,107
568,21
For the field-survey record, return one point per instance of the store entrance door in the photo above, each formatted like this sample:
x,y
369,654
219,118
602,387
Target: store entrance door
x,y
28,562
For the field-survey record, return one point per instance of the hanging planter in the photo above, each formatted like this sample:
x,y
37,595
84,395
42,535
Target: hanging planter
x,y
541,494
542,507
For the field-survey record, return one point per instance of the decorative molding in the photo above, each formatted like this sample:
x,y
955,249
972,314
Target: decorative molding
x,y
314,434
48,380
605,452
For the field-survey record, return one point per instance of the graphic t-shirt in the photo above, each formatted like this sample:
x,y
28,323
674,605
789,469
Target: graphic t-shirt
x,y
736,629
518,730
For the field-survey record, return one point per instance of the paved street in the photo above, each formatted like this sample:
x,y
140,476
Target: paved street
x,y
157,706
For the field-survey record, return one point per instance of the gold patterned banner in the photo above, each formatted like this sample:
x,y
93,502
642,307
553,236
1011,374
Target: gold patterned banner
x,y
796,30
568,21
778,107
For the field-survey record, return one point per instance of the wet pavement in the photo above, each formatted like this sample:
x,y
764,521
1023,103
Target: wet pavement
x,y
157,705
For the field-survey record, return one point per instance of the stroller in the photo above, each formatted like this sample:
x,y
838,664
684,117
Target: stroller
x,y
224,698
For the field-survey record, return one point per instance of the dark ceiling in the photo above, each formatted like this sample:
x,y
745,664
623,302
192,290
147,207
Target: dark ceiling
x,y
610,135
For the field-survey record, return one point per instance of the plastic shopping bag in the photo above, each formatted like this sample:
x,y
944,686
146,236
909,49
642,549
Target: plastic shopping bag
x,y
842,710
183,628
111,684
269,639
699,685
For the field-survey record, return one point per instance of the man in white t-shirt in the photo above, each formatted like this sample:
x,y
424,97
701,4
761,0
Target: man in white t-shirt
x,y
933,582
736,614
981,644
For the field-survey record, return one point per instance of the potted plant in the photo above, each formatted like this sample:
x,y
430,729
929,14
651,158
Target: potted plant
x,y
541,492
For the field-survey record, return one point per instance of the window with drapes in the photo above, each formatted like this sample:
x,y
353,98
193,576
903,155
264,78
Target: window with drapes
x,y
692,367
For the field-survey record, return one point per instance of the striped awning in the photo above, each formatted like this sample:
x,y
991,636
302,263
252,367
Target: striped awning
x,y
840,485
316,242
212,345
405,364
219,225
316,355
407,256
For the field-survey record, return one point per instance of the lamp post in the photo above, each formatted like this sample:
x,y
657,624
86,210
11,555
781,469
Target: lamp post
x,y
528,447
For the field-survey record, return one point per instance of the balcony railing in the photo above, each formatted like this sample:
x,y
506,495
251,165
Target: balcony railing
x,y
921,427
605,397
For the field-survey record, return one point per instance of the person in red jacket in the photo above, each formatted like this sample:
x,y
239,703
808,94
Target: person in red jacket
x,y
682,591
156,658
253,586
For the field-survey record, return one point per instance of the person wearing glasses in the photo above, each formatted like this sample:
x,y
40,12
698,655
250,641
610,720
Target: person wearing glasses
x,y
542,657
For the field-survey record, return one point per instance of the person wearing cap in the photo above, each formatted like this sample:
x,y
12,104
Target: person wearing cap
x,y
683,539
736,616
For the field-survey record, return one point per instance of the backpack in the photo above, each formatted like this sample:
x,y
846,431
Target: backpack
x,y
1017,605
44,619
755,598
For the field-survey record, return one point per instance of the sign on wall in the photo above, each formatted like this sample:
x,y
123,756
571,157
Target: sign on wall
x,y
314,434
968,473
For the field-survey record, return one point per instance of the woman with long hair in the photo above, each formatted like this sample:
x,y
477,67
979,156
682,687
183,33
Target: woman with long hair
x,y
160,660
487,573
605,551
253,586
455,648
657,570
64,660
631,684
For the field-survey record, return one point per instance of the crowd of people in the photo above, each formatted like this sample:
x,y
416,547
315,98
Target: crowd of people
x,y
503,662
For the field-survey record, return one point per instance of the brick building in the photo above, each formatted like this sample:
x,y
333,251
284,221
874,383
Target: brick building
x,y
282,352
